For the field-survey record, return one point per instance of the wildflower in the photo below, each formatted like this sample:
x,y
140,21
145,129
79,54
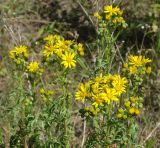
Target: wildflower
x,y
131,110
42,91
127,103
96,15
125,65
98,100
110,10
99,79
138,60
82,92
48,51
68,60
148,70
33,67
49,39
119,84
109,95
80,49
133,69
108,17
18,54
121,110
137,112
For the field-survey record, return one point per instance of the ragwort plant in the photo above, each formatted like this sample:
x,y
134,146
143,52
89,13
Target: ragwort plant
x,y
111,102
44,108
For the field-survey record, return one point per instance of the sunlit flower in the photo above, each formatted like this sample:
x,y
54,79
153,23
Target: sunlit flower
x,y
33,67
68,60
119,84
138,60
148,70
82,92
109,9
18,54
96,15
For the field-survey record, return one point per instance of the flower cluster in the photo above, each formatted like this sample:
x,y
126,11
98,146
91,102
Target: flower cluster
x,y
101,90
112,15
19,54
136,65
65,50
46,94
131,107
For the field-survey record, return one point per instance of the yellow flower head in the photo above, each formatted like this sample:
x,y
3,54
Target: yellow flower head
x,y
138,60
148,70
80,49
68,60
33,67
48,51
18,54
119,84
82,92
127,103
96,15
137,111
111,10
133,69
110,95
132,110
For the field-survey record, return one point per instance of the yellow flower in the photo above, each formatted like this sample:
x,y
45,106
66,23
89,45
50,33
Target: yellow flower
x,y
121,110
109,9
68,60
137,112
18,54
99,79
138,60
98,100
48,51
33,67
148,70
108,17
49,39
133,69
80,49
118,11
119,84
42,91
21,50
82,92
127,103
125,65
132,110
109,95
96,14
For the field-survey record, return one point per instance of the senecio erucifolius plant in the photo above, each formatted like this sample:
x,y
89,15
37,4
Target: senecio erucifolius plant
x,y
44,108
50,95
